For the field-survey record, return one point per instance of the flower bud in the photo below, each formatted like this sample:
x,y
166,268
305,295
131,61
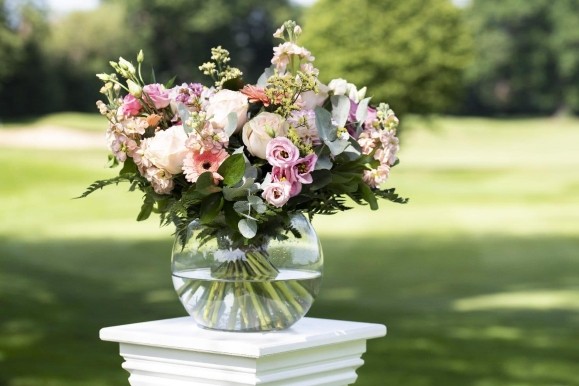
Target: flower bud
x,y
134,89
126,65
140,56
104,77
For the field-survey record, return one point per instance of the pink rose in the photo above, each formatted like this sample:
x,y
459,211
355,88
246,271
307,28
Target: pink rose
x,y
156,95
260,130
131,105
277,193
224,102
166,150
281,152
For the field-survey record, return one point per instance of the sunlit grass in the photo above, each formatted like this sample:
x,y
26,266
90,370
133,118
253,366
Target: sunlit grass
x,y
476,277
68,120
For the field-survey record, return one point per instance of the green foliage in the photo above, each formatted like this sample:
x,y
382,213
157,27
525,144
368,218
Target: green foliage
x,y
410,54
526,58
179,34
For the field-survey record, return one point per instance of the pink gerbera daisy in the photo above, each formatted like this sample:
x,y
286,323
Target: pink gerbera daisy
x,y
197,163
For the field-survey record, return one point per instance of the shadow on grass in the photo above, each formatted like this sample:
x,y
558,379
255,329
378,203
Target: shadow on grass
x,y
460,311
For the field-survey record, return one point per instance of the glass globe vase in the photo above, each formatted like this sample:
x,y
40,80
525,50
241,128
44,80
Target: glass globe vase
x,y
249,288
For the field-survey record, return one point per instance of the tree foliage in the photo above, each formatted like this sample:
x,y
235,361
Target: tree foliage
x,y
526,56
410,53
179,34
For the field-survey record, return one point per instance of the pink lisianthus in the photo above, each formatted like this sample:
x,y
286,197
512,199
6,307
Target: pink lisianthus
x,y
156,95
280,174
197,163
131,105
281,152
303,168
276,193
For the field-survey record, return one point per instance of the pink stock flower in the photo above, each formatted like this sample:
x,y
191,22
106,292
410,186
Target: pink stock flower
x,y
131,105
197,163
156,95
281,152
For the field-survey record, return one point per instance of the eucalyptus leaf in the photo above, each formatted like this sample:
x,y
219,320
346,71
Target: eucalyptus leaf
x,y
324,124
257,204
362,110
231,124
243,189
267,73
241,206
338,146
340,109
184,114
247,227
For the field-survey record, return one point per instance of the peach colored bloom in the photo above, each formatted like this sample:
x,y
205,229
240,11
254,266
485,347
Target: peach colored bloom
x,y
255,94
197,163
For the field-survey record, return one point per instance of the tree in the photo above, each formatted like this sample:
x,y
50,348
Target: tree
x,y
10,45
410,53
179,34
526,56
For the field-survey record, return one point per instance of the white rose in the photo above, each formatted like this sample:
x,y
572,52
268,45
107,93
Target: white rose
x,y
224,102
260,130
166,150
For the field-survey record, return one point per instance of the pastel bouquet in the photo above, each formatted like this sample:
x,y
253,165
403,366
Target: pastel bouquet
x,y
242,158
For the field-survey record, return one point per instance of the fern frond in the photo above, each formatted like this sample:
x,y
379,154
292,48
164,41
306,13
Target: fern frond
x,y
102,183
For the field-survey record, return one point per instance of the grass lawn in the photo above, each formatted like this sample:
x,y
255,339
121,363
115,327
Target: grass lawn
x,y
477,278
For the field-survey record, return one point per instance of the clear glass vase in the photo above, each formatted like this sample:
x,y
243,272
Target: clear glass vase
x,y
253,288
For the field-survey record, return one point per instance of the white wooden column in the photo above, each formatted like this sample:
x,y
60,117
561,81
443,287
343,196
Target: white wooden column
x,y
175,352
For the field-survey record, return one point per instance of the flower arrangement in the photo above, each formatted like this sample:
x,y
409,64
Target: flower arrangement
x,y
242,157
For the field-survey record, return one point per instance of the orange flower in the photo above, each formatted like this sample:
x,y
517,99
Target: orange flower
x,y
255,94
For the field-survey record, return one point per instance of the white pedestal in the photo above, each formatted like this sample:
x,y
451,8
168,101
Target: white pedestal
x,y
175,352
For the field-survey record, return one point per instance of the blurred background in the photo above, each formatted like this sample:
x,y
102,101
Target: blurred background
x,y
477,277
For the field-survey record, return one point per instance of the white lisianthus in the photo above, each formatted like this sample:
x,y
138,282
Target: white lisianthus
x,y
167,150
340,86
224,102
259,131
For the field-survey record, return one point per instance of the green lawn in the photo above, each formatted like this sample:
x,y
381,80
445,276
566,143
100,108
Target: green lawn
x,y
477,278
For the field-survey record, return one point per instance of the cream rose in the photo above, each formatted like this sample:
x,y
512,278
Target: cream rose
x,y
259,131
224,102
166,150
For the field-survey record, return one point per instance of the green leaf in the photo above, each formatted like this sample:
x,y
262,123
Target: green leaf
x,y
129,167
205,185
231,216
232,169
210,207
146,208
170,82
368,195
321,178
247,227
337,146
112,161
